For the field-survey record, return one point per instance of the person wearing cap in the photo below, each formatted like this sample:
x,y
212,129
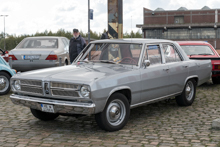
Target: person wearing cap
x,y
76,45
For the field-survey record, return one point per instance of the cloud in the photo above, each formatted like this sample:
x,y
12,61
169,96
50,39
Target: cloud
x,y
28,17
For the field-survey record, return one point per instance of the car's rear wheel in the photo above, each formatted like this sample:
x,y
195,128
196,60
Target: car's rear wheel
x,y
115,114
4,83
44,115
216,80
188,95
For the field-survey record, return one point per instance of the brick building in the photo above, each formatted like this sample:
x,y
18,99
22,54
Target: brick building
x,y
182,24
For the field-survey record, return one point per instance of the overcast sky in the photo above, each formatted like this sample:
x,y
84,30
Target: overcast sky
x,y
30,16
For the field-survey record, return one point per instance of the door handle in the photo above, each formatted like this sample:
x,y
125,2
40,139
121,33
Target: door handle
x,y
166,69
185,66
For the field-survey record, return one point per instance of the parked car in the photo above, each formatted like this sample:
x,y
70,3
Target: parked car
x,y
109,78
4,54
40,52
200,50
5,74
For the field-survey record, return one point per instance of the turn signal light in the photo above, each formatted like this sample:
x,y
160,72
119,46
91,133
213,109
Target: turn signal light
x,y
51,57
216,66
13,57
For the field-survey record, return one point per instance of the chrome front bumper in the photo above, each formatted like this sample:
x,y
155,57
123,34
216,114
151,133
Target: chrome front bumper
x,y
64,107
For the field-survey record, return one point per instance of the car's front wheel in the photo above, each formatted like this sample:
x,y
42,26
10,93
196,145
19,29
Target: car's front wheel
x,y
115,114
4,83
44,115
188,95
216,80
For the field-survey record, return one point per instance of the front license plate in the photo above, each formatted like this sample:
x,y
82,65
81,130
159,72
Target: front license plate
x,y
47,108
31,57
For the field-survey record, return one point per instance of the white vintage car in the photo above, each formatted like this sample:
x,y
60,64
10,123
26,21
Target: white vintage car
x,y
109,78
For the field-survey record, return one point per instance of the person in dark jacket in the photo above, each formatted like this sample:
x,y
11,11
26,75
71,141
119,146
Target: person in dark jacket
x,y
105,35
76,45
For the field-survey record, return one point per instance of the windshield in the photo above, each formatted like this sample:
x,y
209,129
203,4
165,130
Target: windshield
x,y
197,50
111,53
39,43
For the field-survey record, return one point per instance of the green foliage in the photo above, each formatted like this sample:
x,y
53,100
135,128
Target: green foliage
x,y
12,40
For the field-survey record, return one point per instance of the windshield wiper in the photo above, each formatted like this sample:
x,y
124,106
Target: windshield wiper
x,y
84,61
192,55
107,61
204,54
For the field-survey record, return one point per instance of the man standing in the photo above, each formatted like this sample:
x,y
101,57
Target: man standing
x,y
76,45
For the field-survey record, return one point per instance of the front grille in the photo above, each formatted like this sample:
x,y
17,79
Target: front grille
x,y
68,93
31,89
31,82
63,85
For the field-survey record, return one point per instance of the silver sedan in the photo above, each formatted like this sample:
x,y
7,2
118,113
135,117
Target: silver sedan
x,y
40,52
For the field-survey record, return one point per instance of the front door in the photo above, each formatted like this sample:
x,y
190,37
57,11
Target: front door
x,y
154,78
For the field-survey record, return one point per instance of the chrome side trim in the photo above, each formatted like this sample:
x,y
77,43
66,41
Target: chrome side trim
x,y
155,100
60,106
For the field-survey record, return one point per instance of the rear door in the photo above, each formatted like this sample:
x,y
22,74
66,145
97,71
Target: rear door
x,y
154,78
178,69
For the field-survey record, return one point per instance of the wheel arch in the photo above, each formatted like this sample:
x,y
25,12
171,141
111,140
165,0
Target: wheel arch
x,y
5,71
125,90
195,77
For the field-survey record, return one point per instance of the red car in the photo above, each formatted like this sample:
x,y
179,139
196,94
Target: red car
x,y
201,50
4,54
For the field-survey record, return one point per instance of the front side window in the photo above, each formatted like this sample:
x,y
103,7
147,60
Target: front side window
x,y
39,43
197,50
114,53
153,54
170,54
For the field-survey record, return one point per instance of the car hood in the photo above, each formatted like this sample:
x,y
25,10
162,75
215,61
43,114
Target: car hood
x,y
83,74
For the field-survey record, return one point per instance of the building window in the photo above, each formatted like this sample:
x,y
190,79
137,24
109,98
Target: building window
x,y
178,19
203,33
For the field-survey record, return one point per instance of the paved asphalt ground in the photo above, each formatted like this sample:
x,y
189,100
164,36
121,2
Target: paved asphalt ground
x,y
159,124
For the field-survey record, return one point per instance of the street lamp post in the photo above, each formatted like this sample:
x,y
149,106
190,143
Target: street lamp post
x,y
4,28
88,21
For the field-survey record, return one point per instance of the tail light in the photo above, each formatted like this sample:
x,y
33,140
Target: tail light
x,y
13,57
216,67
6,52
51,57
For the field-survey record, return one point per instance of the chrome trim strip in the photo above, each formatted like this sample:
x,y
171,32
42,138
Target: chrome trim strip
x,y
154,100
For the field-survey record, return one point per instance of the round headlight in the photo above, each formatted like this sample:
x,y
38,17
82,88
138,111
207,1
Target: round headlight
x,y
17,85
85,91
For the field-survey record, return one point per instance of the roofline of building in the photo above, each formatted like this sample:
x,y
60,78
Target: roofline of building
x,y
191,25
150,11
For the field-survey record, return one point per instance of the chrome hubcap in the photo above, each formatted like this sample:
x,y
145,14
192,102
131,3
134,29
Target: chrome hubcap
x,y
4,83
189,91
116,112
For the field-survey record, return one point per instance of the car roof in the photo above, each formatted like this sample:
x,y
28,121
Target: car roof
x,y
135,40
193,43
46,37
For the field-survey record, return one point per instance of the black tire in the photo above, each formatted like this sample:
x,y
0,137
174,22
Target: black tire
x,y
44,115
6,78
117,100
216,80
184,99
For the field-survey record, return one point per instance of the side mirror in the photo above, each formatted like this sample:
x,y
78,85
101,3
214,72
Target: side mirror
x,y
146,63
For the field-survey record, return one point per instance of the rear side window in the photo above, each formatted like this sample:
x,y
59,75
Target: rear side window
x,y
65,42
170,53
39,43
153,54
